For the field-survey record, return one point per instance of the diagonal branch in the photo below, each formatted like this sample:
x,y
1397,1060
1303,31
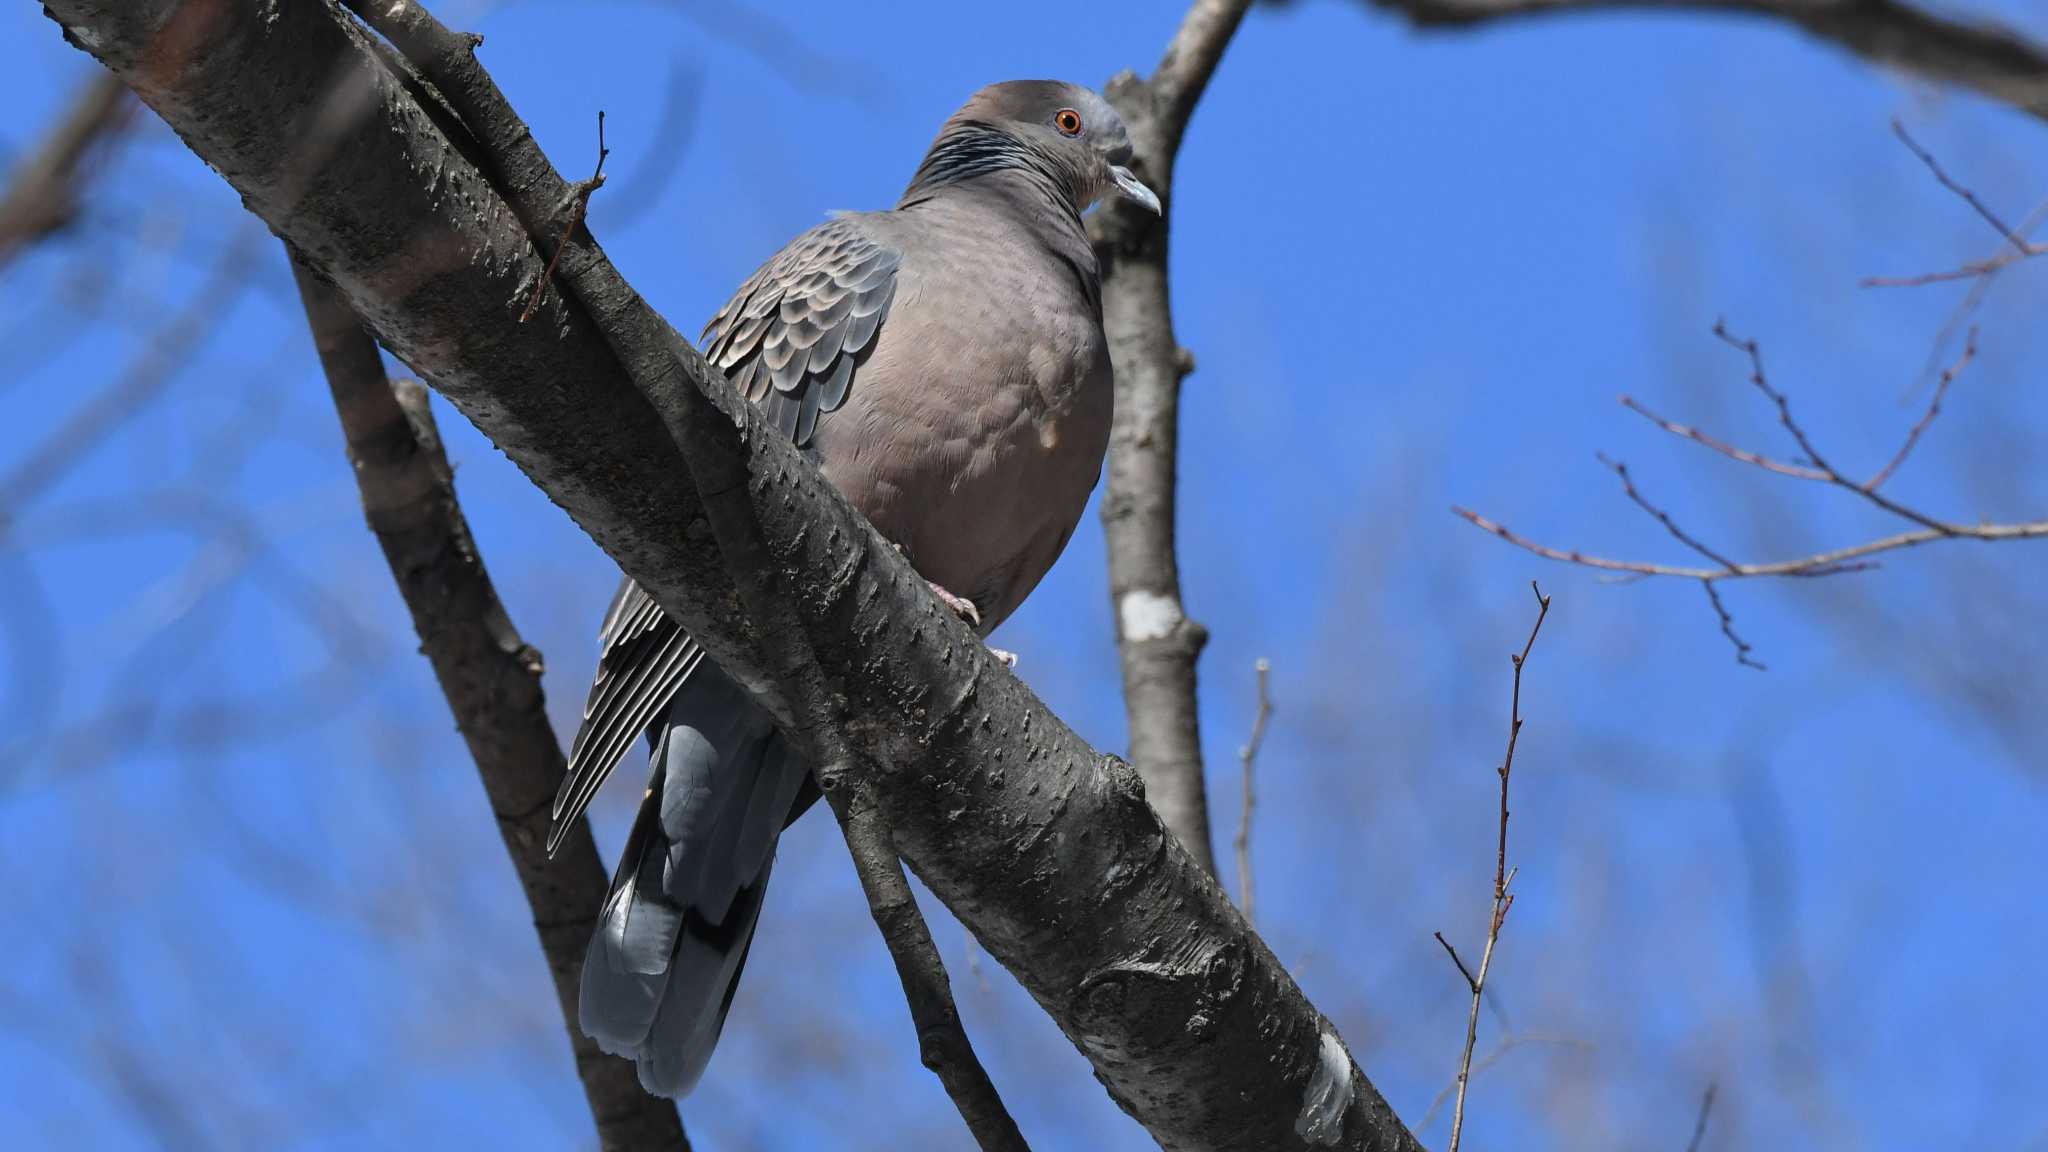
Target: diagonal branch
x,y
490,677
1156,640
1995,62
719,469
1044,848
42,197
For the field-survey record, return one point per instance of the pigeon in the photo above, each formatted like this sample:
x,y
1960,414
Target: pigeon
x,y
944,364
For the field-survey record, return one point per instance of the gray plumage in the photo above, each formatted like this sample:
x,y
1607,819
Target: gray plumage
x,y
944,364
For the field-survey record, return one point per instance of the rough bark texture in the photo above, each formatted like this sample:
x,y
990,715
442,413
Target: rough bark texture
x,y
1993,61
1045,849
489,676
1158,642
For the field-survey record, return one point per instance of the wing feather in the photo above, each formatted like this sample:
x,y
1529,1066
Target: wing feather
x,y
791,340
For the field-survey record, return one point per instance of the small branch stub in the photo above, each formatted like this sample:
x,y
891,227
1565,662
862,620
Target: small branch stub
x,y
579,207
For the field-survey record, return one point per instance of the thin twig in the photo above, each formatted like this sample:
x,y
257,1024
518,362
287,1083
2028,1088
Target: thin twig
x,y
1835,562
1699,1126
2018,242
1246,755
1628,487
1687,432
1814,467
1742,647
1948,376
1507,1044
579,206
1502,877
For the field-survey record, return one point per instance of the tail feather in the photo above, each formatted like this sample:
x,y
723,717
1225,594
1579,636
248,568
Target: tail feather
x,y
666,957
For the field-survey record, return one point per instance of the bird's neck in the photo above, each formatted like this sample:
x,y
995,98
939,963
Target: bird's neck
x,y
980,160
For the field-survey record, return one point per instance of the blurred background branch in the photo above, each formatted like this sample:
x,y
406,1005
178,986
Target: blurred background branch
x,y
43,191
489,677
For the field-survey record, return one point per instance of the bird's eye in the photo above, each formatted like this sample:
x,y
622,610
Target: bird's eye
x,y
1067,121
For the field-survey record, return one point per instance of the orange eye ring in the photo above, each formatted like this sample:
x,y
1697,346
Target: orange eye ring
x,y
1067,121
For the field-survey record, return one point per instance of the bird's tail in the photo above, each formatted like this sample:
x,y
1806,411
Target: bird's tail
x,y
673,935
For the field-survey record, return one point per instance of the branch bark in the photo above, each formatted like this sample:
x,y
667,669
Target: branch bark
x,y
1158,642
489,676
1063,871
1993,61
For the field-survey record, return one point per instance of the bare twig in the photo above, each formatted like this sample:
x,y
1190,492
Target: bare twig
x,y
1503,876
1699,1126
1247,754
1835,562
1948,376
1742,647
2018,242
1628,488
491,679
1687,432
1814,467
1500,1051
579,207
1983,271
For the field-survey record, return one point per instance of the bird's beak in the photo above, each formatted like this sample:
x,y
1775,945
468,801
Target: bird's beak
x,y
1134,188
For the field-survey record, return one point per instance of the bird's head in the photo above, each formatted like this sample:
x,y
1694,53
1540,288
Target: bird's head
x,y
1064,130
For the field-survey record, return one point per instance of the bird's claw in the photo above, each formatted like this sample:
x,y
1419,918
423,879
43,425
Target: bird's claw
x,y
961,606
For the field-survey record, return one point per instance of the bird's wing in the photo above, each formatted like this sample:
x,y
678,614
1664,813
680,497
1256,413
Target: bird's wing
x,y
791,340
792,337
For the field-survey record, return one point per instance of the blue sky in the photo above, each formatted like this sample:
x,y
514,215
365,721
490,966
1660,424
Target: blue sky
x,y
255,897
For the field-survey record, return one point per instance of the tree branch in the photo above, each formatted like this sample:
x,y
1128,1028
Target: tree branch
x,y
1157,641
42,198
489,676
1815,468
1993,61
1062,870
1503,876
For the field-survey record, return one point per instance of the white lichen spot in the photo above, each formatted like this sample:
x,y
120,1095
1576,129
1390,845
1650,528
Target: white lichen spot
x,y
1329,1094
1148,615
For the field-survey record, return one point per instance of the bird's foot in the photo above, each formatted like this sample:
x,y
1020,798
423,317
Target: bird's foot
x,y
961,605
965,609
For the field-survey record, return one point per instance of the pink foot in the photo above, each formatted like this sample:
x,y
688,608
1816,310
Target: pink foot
x,y
961,606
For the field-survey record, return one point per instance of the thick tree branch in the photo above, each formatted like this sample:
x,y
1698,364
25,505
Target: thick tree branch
x,y
42,196
1159,644
1993,61
491,680
1043,847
